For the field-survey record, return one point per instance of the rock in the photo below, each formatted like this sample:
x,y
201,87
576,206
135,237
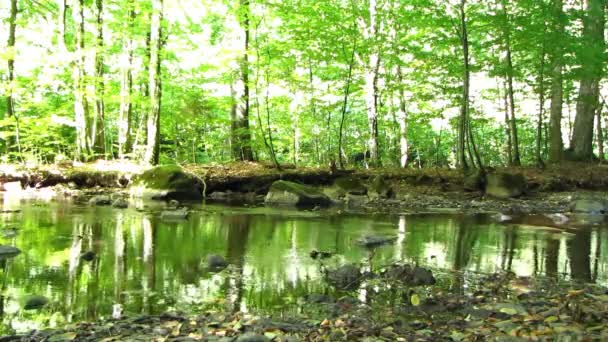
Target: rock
x,y
120,203
216,262
315,254
372,241
35,302
9,232
7,252
251,337
318,298
346,277
100,200
474,180
177,214
350,185
289,193
167,182
379,188
589,205
87,256
505,185
411,276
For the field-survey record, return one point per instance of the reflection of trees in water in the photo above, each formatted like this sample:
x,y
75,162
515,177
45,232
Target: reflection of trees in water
x,y
466,235
579,250
148,282
508,248
551,256
238,235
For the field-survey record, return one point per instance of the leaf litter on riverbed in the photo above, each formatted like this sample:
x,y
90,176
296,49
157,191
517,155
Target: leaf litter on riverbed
x,y
460,307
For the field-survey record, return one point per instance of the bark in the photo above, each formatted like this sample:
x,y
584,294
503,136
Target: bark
x,y
98,136
507,127
81,106
556,145
153,123
464,108
510,88
541,108
371,86
62,22
345,103
590,75
240,133
125,142
10,110
402,118
600,135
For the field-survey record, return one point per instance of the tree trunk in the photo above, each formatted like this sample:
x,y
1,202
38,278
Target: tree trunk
x,y
98,138
125,142
510,90
349,78
507,127
541,108
240,133
592,58
62,22
556,146
81,105
402,119
371,86
600,136
464,107
10,110
153,142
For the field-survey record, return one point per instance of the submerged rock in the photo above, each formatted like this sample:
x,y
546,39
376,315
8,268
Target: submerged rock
x,y
120,203
100,200
505,185
7,252
372,241
411,276
35,302
167,182
177,214
347,277
379,188
589,205
87,256
216,262
290,193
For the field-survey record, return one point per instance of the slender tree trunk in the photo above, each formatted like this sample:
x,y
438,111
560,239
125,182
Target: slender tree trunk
x,y
63,8
464,107
402,120
592,60
556,146
600,136
125,142
510,88
10,110
345,104
81,105
507,126
98,136
240,133
153,142
371,86
541,109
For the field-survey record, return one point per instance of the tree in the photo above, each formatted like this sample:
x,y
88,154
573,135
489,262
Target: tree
x,y
98,135
591,55
240,134
556,145
155,86
125,140
81,106
10,111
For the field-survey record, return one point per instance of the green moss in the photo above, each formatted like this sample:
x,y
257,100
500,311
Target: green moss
x,y
298,189
165,177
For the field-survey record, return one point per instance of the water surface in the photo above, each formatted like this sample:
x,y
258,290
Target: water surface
x,y
147,265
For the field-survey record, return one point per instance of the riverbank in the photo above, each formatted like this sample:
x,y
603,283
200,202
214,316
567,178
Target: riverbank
x,y
551,190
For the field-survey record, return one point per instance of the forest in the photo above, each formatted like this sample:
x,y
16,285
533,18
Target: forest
x,y
459,83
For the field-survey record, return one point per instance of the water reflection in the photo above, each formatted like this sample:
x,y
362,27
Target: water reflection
x,y
146,265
